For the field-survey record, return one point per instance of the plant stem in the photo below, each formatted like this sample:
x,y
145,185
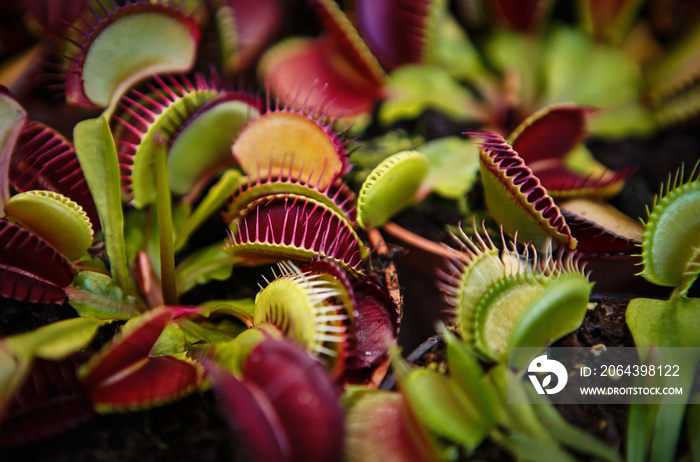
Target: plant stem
x,y
165,222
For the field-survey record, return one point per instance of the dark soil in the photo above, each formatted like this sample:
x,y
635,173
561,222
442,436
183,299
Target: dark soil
x,y
191,429
603,325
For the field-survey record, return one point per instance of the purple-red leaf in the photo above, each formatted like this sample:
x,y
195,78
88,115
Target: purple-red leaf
x,y
601,229
255,23
49,402
381,426
125,351
150,382
250,415
340,31
377,323
550,134
562,182
544,140
304,397
45,160
291,392
594,240
31,270
319,68
124,377
395,30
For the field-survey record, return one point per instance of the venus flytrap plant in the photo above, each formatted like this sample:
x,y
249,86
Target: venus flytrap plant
x,y
516,198
297,199
380,425
539,180
184,113
340,316
294,206
92,80
44,160
358,90
36,256
669,258
301,305
59,220
509,297
38,379
114,378
176,151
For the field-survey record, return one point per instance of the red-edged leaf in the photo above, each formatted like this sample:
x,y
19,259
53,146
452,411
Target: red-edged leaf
x,y
31,270
49,402
125,351
341,32
561,182
303,396
381,427
318,68
594,240
255,23
94,38
250,415
543,141
377,323
395,30
297,229
516,198
123,376
601,230
551,133
43,159
521,14
150,382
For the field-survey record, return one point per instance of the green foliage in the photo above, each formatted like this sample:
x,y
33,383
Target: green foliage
x,y
508,298
441,407
671,233
454,166
217,195
97,154
415,89
96,295
206,264
669,256
55,341
391,187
